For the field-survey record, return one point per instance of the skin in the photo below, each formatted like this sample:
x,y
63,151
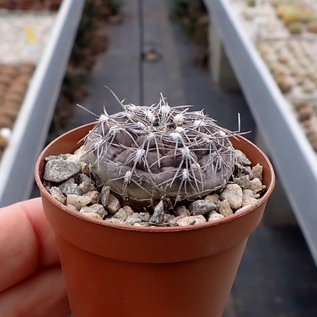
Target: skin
x,y
31,281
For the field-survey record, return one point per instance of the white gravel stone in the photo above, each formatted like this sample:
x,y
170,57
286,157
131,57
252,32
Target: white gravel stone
x,y
72,207
191,220
95,208
86,187
55,157
78,156
60,170
256,185
225,209
214,199
115,220
134,218
80,152
173,221
232,193
214,216
140,224
256,172
92,215
78,201
58,195
94,196
129,211
243,181
145,216
249,198
242,209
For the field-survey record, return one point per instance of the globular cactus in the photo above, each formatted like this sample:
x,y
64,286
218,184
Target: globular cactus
x,y
146,153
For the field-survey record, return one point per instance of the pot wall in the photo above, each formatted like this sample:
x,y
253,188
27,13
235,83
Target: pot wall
x,y
118,270
108,287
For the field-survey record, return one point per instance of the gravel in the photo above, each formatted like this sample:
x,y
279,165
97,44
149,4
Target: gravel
x,y
24,35
60,170
67,180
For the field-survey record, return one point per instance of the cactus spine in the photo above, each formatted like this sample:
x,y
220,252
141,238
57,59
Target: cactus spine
x,y
145,153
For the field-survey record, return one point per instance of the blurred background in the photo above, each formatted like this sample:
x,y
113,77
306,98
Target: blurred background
x,y
253,58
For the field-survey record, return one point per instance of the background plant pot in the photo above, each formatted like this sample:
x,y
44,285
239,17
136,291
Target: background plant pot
x,y
118,270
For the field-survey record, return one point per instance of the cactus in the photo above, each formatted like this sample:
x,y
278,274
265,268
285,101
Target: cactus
x,y
145,153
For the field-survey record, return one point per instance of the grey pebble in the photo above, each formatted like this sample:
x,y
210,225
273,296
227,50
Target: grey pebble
x,y
85,178
134,218
182,211
168,217
113,204
60,170
121,214
243,181
158,214
70,187
104,195
86,187
141,224
241,158
201,207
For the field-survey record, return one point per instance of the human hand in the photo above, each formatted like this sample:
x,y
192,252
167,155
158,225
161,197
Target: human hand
x,y
31,281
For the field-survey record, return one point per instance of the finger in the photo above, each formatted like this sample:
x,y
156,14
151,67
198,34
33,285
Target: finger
x,y
42,294
27,242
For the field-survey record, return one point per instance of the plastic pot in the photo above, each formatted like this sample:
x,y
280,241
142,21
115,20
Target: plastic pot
x,y
119,270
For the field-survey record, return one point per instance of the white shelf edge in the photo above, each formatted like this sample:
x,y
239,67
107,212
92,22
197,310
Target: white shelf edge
x,y
32,124
291,153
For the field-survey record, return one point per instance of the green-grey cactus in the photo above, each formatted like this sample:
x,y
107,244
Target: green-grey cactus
x,y
146,153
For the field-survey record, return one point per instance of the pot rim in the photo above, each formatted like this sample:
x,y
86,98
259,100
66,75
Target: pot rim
x,y
153,229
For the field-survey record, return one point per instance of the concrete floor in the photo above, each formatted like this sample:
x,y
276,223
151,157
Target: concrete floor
x,y
277,276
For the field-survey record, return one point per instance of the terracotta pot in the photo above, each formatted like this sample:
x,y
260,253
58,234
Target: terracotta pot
x,y
119,270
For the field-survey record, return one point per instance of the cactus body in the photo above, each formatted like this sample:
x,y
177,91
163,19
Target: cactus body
x,y
144,153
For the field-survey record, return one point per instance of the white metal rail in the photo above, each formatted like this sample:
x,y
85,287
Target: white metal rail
x,y
31,127
289,148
